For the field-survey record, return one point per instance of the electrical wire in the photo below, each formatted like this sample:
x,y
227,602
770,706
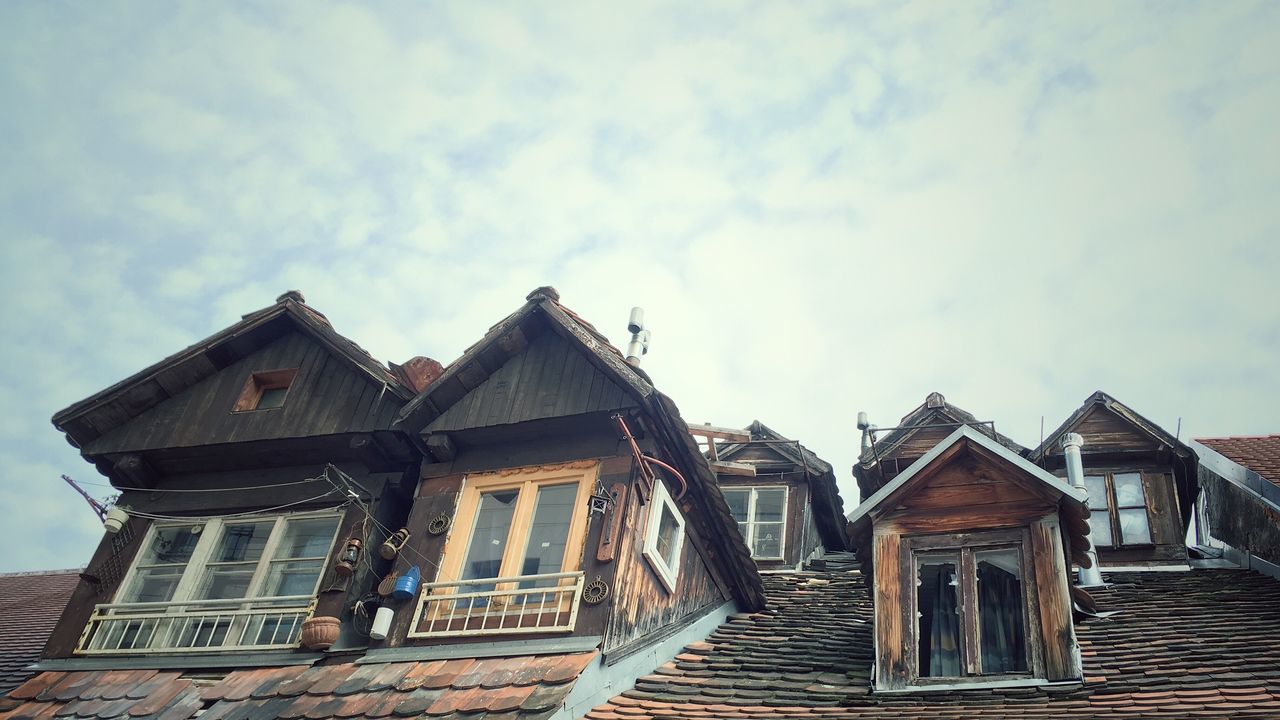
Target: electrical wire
x,y
248,513
370,518
225,489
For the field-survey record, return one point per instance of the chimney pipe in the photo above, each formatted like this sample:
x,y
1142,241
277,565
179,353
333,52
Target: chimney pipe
x,y
639,344
1071,443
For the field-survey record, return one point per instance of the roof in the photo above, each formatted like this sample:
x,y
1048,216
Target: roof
x,y
30,605
1100,398
95,415
1259,453
507,338
1199,643
508,688
933,411
963,433
822,480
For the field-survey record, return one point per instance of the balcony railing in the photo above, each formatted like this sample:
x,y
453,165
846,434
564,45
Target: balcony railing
x,y
272,623
498,606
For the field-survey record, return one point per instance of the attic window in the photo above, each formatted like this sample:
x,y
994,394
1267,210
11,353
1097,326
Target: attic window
x,y
664,536
1119,503
761,514
265,390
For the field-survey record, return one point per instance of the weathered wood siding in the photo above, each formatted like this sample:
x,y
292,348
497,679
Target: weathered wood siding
x,y
891,610
98,584
549,379
965,496
1239,518
328,396
641,604
1057,633
1106,432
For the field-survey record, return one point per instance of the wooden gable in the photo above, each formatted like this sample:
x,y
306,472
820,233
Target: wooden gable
x,y
549,378
327,396
1105,431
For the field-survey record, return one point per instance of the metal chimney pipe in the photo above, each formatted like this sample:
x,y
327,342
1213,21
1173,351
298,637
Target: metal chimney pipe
x,y
639,344
1071,443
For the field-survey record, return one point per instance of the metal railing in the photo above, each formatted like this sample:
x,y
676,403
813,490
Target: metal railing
x,y
498,606
265,623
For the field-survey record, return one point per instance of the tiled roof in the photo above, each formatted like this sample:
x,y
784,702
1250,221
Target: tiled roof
x,y
1259,453
30,605
488,689
1193,644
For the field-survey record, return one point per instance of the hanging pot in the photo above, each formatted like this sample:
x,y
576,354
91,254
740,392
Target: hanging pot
x,y
115,519
320,633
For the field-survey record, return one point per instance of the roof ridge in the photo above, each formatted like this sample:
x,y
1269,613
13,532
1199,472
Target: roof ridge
x,y
1240,437
34,573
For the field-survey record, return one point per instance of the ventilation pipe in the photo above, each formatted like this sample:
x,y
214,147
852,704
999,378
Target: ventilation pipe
x,y
1071,443
639,344
866,428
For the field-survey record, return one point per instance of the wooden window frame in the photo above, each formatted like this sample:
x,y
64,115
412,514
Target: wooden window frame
x,y
258,382
752,491
1113,509
527,483
964,545
210,534
662,499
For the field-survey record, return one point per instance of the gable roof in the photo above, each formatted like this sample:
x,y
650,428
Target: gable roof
x,y
1259,453
509,337
965,433
510,688
93,416
1100,399
30,605
831,524
934,411
1199,643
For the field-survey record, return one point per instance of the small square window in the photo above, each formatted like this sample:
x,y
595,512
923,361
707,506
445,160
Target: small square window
x,y
664,536
265,390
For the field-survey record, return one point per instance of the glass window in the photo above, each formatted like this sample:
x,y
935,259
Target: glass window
x,y
970,604
664,536
1118,509
761,513
161,566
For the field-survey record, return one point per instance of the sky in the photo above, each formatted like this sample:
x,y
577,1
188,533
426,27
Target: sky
x,y
822,207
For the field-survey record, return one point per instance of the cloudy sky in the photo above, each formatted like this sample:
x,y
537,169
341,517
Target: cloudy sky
x,y
823,208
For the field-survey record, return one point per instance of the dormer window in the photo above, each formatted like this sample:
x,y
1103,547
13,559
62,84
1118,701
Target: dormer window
x,y
761,514
664,536
972,612
1119,509
265,390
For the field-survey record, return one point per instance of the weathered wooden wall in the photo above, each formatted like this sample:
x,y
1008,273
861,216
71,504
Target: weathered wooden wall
x,y
1106,432
642,606
1240,519
328,396
549,379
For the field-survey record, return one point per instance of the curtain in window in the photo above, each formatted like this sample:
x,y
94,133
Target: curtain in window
x,y
1002,643
937,598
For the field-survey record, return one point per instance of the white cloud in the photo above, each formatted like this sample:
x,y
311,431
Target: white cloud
x,y
823,208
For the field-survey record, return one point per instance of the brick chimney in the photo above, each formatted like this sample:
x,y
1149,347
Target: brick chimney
x,y
418,372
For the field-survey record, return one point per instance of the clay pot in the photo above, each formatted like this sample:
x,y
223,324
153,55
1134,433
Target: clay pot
x,y
320,633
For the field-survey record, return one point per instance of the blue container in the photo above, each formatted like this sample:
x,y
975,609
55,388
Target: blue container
x,y
407,585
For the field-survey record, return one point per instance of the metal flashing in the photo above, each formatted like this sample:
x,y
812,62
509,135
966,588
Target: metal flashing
x,y
511,648
179,662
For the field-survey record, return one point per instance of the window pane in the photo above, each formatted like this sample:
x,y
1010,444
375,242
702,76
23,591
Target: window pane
x,y
550,530
937,599
738,502
1002,643
272,398
768,540
309,538
171,545
154,584
243,542
1133,526
292,577
1100,528
668,537
226,581
1129,490
769,505
1096,485
489,538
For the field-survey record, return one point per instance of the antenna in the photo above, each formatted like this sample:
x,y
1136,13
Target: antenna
x,y
98,508
639,344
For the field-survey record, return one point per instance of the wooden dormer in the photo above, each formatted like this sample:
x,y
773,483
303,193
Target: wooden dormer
x,y
1141,480
968,552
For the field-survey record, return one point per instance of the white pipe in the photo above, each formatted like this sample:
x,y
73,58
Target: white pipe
x,y
381,623
1071,442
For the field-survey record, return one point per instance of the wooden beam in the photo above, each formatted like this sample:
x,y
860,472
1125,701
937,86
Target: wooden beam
x,y
725,467
710,431
441,447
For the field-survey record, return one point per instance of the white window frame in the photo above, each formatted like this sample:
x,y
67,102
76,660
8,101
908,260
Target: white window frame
x,y
210,534
750,536
662,499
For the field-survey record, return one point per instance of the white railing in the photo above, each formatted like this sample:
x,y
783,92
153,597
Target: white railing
x,y
498,606
196,626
